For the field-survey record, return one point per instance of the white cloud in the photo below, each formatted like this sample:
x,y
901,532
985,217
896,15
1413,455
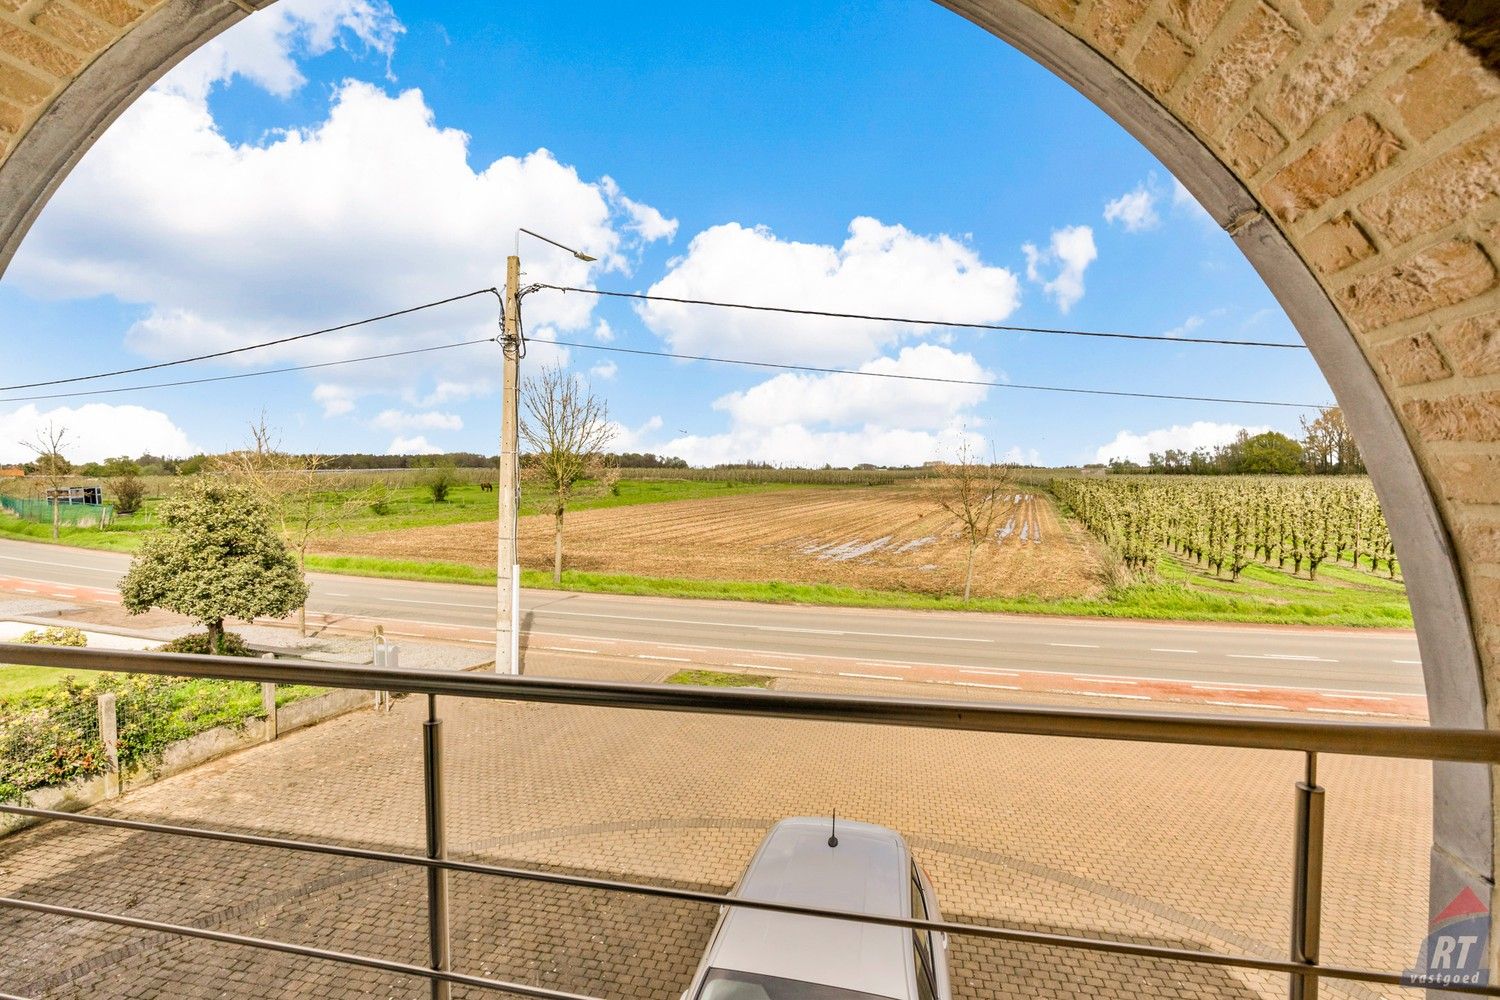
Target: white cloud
x,y
646,221
1067,256
602,332
309,234
336,400
1021,456
880,269
842,400
418,445
264,48
1189,437
812,420
95,431
1184,328
1135,210
398,420
605,370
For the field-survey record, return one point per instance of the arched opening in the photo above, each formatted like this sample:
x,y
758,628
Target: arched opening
x,y
144,48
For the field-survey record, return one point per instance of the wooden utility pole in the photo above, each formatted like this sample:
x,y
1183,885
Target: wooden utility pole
x,y
508,569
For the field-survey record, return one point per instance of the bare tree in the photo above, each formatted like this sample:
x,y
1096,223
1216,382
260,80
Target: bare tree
x,y
304,501
568,431
972,492
50,464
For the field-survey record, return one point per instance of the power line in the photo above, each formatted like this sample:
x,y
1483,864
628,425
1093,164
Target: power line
x,y
240,375
926,322
937,378
241,350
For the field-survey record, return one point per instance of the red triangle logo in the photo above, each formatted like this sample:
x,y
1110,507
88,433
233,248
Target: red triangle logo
x,y
1465,904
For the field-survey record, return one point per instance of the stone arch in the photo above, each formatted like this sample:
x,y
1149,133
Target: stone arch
x,y
1350,147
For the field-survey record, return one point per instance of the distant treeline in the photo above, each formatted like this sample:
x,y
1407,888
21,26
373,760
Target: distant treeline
x,y
1326,449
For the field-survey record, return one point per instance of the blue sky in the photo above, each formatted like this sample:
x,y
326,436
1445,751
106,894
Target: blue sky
x,y
330,160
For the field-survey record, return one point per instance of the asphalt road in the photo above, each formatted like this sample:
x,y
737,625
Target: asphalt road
x,y
1383,662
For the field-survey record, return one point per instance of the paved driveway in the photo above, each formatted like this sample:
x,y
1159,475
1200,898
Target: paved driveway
x,y
1175,845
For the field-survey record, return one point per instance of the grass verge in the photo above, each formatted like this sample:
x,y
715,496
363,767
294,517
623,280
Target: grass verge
x,y
719,679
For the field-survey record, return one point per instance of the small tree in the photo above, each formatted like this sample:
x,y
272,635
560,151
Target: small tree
x,y
217,555
50,464
440,479
129,492
568,430
972,492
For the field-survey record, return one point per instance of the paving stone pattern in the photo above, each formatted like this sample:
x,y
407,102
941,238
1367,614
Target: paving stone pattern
x,y
1181,846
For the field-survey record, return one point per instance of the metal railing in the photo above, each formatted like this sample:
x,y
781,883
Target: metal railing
x,y
1308,737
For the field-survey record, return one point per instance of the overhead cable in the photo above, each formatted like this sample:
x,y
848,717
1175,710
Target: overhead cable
x,y
240,375
248,347
924,322
937,378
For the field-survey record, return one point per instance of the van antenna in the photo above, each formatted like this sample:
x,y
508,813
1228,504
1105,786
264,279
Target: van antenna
x,y
833,838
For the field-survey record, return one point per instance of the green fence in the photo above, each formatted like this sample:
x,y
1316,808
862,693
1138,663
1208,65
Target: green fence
x,y
78,515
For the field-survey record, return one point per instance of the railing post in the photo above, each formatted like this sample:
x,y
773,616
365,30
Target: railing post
x,y
1307,882
109,735
437,878
268,705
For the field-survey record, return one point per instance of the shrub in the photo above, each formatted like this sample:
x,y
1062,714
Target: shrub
x,y
201,642
56,635
439,482
129,493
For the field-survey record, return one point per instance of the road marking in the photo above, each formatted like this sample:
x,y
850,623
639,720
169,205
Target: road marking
x,y
58,565
1339,711
988,672
882,663
1156,650
975,684
330,593
759,666
26,590
1073,645
1225,687
1249,704
1111,694
568,649
1414,663
1280,656
760,628
435,604
1359,697
871,677
1105,680
674,659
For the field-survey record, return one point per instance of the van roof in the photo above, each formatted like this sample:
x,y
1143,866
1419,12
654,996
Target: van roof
x,y
868,872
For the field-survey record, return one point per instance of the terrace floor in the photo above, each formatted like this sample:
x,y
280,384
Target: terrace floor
x,y
1173,845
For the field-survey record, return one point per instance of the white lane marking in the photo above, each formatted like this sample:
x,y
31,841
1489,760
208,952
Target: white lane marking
x,y
988,672
1339,711
1105,680
882,663
1359,697
1280,656
329,593
568,649
1073,645
1225,687
871,677
59,565
760,628
435,604
674,659
1111,694
1414,663
975,684
1248,704
759,666
1157,650
26,590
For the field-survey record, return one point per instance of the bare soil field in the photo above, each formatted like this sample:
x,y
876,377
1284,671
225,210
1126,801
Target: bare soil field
x,y
885,538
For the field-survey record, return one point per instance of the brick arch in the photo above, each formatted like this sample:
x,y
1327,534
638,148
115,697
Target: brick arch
x,y
1351,147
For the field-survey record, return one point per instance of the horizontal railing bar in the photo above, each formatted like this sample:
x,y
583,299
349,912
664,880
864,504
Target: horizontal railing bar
x,y
716,899
286,947
1410,742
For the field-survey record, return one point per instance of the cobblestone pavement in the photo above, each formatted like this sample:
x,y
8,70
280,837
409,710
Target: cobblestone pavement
x,y
1174,845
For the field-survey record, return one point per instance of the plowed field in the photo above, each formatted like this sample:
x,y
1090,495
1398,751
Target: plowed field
x,y
887,538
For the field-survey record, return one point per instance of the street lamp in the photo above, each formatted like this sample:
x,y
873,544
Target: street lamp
x,y
508,566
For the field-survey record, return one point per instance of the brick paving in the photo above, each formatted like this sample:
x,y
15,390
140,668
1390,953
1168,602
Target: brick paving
x,y
1173,845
